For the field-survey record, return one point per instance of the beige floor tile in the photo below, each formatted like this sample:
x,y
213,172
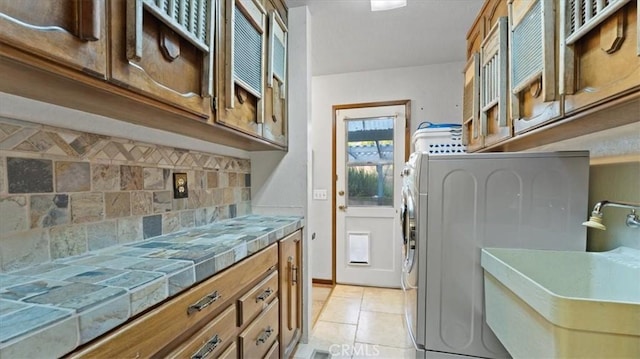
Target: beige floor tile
x,y
331,336
320,293
316,309
382,328
341,310
350,291
383,300
364,350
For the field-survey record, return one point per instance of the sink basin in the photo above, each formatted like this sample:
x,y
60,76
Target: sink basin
x,y
551,304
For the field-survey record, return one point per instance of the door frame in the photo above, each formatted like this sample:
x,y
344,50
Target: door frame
x,y
407,146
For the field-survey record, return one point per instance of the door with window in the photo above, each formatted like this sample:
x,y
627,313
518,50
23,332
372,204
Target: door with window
x,y
370,153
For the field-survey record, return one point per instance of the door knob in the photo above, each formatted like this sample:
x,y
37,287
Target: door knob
x,y
341,193
342,208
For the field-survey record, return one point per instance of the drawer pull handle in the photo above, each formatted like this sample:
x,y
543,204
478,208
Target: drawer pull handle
x,y
264,295
203,303
264,336
207,348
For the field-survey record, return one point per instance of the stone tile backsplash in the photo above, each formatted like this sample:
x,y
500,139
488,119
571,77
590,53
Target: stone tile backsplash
x,y
64,193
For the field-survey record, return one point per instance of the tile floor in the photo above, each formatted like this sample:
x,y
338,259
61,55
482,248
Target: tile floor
x,y
358,322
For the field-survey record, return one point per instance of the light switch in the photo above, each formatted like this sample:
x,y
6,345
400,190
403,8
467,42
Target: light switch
x,y
320,194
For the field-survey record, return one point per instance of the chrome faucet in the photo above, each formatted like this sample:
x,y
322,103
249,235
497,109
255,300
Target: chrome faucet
x,y
595,221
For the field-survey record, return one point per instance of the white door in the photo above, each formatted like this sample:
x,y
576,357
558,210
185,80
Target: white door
x,y
370,153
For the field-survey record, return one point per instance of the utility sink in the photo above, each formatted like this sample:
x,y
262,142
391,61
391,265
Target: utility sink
x,y
564,304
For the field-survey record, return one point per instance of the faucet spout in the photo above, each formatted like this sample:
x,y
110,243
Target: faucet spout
x,y
595,221
600,205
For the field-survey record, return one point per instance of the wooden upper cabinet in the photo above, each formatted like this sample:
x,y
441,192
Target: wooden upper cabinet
x,y
485,120
275,119
600,54
67,32
252,84
471,128
164,52
532,64
494,117
243,41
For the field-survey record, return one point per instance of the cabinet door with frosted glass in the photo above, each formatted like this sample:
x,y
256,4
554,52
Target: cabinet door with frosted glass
x,y
241,74
163,50
494,100
600,51
67,32
485,120
532,64
275,119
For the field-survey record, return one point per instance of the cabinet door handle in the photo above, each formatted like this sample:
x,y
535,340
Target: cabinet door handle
x,y
264,295
203,303
134,29
264,336
88,19
294,275
207,348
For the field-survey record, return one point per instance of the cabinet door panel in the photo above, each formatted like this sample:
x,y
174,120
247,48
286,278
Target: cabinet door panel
x,y
471,129
69,32
495,121
152,59
290,252
604,63
275,121
532,64
240,81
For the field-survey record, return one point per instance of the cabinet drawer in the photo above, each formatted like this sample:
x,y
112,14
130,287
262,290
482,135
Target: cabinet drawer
x,y
257,339
274,351
257,298
210,340
182,314
230,353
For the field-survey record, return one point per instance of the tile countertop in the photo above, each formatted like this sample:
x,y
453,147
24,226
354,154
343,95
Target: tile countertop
x,y
52,308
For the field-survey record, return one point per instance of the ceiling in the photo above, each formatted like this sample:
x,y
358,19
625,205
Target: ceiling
x,y
346,36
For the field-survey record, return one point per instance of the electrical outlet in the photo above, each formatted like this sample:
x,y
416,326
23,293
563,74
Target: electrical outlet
x,y
180,188
320,194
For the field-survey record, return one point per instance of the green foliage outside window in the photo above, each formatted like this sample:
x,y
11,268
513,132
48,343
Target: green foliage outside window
x,y
363,187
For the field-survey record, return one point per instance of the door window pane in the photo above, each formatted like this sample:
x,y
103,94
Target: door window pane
x,y
370,161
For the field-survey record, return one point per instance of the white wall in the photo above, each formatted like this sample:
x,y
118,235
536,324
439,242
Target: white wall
x,y
279,180
435,92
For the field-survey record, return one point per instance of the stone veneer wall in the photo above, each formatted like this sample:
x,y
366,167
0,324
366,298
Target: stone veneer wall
x,y
64,193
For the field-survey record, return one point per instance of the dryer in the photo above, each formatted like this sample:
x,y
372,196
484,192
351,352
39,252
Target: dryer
x,y
455,205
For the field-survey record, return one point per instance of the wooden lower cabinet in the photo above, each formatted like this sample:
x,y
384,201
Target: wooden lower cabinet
x,y
290,254
202,320
251,310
